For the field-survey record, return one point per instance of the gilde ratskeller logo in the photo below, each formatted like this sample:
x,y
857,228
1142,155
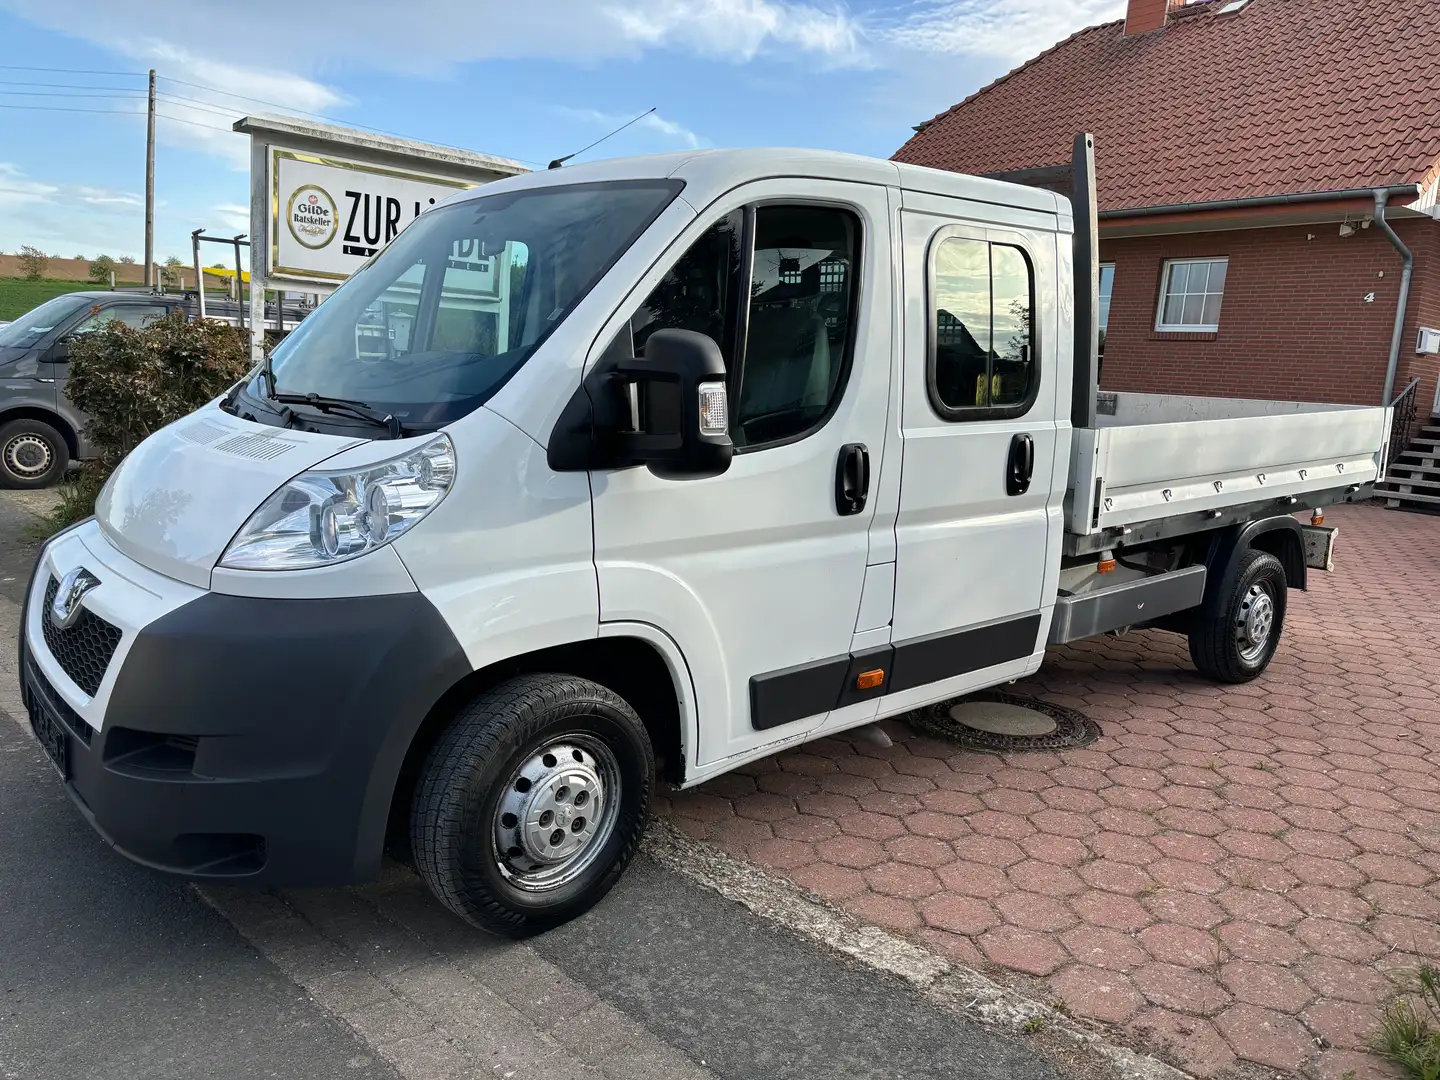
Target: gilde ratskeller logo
x,y
310,213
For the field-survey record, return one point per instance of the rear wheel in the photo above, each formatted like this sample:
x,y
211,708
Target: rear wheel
x,y
1239,643
32,454
532,803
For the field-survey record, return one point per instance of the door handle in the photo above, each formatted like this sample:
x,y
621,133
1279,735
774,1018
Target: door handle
x,y
852,479
1021,465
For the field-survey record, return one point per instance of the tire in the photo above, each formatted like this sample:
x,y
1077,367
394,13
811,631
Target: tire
x,y
1239,644
492,780
32,454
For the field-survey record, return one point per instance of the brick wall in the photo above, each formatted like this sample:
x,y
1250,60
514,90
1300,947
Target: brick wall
x,y
1294,323
1423,310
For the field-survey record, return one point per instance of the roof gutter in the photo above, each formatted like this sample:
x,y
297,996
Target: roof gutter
x,y
1382,196
1398,191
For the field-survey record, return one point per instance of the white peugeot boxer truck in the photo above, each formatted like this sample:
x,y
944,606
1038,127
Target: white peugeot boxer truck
x,y
647,467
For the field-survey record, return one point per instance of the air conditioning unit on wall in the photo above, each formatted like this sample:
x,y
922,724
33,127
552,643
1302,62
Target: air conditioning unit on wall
x,y
1428,341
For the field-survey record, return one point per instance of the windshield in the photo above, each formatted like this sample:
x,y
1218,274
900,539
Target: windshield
x,y
437,323
36,323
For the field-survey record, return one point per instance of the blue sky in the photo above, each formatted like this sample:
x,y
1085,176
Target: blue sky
x,y
525,80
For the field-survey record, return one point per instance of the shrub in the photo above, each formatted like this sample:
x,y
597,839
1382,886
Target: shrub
x,y
33,261
134,382
170,273
101,269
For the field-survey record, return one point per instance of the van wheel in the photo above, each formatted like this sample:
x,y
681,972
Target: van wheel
x,y
532,803
1239,644
32,454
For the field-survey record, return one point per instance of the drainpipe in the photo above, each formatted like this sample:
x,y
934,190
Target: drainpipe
x,y
1382,196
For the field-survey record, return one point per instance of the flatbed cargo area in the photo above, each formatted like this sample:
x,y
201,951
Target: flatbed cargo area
x,y
1151,457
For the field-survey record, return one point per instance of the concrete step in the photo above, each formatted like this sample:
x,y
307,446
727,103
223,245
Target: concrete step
x,y
1418,484
1420,471
1401,499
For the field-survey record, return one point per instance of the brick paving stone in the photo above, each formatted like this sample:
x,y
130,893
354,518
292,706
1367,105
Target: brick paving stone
x,y
830,882
887,912
1181,989
872,826
1183,908
1267,985
902,880
856,852
1329,903
1024,951
1340,940
1097,946
958,914
1096,994
1187,1038
1033,911
1181,945
1265,1037
1347,1024
1343,980
1269,908
1263,944
806,827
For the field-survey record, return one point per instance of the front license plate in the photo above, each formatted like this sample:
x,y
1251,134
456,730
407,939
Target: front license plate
x,y
53,738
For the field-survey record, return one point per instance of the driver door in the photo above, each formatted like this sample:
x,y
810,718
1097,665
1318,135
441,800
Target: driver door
x,y
757,574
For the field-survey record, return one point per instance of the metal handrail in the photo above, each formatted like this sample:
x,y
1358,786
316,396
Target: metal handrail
x,y
1402,423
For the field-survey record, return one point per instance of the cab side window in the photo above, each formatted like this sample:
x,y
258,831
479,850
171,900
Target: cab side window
x,y
787,340
982,348
135,316
798,340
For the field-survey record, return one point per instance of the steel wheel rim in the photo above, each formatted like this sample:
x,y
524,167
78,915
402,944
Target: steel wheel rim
x,y
556,813
1256,622
28,456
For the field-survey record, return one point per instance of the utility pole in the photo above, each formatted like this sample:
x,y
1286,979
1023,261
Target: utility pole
x,y
150,186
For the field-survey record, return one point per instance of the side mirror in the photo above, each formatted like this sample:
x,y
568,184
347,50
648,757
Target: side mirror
x,y
682,415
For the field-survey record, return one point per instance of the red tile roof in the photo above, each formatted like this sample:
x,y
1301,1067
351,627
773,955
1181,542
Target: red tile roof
x,y
1281,97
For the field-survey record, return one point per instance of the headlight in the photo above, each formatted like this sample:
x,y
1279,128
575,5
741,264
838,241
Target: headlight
x,y
321,518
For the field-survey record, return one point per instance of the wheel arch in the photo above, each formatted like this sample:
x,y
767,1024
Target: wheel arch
x,y
45,416
1279,536
636,661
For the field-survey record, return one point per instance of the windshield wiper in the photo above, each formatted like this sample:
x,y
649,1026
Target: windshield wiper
x,y
358,409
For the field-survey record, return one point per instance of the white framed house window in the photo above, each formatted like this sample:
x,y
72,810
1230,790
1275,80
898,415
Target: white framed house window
x,y
1190,292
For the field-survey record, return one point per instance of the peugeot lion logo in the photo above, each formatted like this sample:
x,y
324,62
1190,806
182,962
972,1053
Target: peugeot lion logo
x,y
65,608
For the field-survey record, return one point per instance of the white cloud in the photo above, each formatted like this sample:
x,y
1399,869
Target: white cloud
x,y
1010,30
740,29
233,215
427,36
66,218
669,129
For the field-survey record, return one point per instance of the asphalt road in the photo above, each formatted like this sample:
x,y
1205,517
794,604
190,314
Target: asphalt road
x,y
108,969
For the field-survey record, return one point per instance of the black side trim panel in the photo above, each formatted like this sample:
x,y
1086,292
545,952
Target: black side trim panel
x,y
782,697
955,652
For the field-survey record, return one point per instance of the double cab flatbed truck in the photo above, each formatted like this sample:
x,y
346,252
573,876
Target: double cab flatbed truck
x,y
755,447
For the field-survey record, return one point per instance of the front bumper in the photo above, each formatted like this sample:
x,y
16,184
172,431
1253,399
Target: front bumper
x,y
236,738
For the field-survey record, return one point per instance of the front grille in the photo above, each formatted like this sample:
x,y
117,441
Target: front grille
x,y
84,650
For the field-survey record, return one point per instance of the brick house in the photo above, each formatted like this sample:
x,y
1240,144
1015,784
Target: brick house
x,y
1242,149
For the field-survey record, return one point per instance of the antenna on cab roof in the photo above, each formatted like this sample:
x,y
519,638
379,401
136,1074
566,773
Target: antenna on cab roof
x,y
561,160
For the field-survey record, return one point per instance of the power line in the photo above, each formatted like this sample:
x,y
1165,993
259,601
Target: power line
x,y
63,86
112,95
113,112
70,71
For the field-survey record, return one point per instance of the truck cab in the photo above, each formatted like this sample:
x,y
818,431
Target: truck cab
x,y
41,431
661,464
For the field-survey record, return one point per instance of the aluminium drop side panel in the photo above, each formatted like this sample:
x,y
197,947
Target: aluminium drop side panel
x,y
1129,470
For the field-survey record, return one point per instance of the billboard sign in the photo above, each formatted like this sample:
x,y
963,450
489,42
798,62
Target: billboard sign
x,y
331,214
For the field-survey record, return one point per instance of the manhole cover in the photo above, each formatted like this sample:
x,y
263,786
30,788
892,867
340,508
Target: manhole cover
x,y
1000,718
994,720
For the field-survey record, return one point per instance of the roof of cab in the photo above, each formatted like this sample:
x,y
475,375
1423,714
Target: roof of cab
x,y
710,173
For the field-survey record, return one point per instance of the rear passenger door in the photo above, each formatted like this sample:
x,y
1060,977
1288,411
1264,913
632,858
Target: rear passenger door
x,y
757,574
980,497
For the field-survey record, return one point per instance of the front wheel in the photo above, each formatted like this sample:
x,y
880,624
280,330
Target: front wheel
x,y
32,454
1239,643
532,803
